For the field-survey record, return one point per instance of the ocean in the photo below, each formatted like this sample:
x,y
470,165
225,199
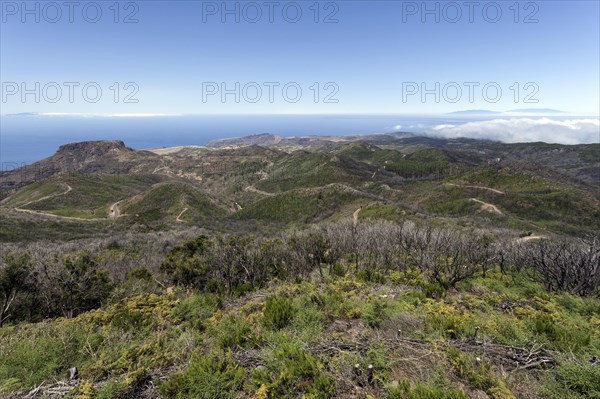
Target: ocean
x,y
26,138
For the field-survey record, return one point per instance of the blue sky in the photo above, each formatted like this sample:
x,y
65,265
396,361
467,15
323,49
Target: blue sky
x,y
368,60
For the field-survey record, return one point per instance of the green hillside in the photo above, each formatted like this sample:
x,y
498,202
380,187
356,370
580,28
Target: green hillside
x,y
165,202
304,206
384,267
90,196
491,336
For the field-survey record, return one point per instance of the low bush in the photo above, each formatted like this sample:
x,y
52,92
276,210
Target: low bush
x,y
292,372
214,376
573,380
233,332
375,313
404,390
279,311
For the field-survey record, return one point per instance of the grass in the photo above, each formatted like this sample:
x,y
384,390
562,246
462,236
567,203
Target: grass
x,y
535,199
301,205
166,202
33,192
215,376
381,211
119,346
529,201
302,169
91,195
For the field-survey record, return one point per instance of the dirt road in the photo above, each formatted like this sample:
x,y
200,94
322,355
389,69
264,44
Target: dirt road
x,y
114,211
485,207
355,216
178,218
478,187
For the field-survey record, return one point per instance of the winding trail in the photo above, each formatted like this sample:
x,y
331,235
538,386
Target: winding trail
x,y
114,211
257,191
67,191
355,216
531,238
478,187
485,207
178,218
52,215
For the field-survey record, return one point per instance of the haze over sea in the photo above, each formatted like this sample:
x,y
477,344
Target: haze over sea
x,y
26,138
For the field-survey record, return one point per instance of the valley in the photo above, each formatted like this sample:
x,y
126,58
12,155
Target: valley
x,y
384,266
294,181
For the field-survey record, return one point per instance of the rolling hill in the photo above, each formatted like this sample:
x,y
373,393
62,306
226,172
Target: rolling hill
x,y
545,187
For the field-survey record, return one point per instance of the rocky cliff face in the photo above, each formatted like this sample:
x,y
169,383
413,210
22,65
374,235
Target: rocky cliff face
x,y
93,148
108,157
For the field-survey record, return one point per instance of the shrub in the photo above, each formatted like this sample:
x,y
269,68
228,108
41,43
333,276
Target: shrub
x,y
375,313
560,336
279,311
420,391
411,277
130,320
371,276
215,376
232,332
15,276
189,264
196,309
573,380
479,374
338,270
112,390
308,324
139,273
33,353
292,371
434,290
77,284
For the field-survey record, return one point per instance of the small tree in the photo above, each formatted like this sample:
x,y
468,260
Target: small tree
x,y
189,264
15,277
311,249
566,265
451,258
233,262
77,284
272,259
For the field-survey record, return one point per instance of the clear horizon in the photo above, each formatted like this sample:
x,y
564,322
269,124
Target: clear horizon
x,y
199,70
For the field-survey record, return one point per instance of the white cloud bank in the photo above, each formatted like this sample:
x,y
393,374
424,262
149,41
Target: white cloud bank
x,y
514,130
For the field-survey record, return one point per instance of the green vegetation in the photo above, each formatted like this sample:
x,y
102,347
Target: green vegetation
x,y
302,205
207,377
34,192
278,312
222,345
166,202
467,271
249,188
91,196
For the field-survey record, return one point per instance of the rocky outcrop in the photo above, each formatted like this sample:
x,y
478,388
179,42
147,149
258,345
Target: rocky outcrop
x,y
107,157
